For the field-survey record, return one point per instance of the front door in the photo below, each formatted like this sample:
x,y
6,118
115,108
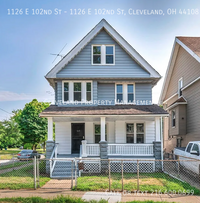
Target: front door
x,y
78,134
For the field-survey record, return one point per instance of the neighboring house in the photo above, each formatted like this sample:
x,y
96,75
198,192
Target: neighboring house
x,y
103,93
180,95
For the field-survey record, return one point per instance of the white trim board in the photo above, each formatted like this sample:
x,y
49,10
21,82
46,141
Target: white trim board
x,y
103,24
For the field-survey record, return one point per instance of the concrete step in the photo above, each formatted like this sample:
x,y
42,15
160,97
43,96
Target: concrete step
x,y
64,169
58,173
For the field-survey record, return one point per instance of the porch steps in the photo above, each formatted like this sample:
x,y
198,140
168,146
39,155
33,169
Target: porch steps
x,y
63,169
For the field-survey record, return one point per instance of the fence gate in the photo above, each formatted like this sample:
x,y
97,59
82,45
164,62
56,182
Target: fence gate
x,y
55,173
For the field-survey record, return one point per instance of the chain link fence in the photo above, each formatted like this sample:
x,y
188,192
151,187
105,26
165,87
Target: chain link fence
x,y
177,176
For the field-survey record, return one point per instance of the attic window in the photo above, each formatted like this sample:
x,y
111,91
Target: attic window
x,y
103,54
180,85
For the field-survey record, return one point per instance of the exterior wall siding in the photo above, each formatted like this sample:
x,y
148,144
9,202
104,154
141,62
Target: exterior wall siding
x,y
106,92
111,132
63,137
80,66
89,132
150,132
185,66
59,91
143,92
120,130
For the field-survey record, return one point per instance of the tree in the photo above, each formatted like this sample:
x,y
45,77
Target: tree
x,y
33,127
10,135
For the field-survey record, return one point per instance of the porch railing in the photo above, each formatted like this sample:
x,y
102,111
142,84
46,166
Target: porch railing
x,y
130,149
118,149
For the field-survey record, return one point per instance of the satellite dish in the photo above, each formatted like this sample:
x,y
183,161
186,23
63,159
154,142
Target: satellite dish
x,y
58,54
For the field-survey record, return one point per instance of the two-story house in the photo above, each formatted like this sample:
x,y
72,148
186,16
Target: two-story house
x,y
180,95
103,93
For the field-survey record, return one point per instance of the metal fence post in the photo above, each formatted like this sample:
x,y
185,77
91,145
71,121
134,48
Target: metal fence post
x,y
38,173
34,171
138,171
72,174
75,173
122,176
109,175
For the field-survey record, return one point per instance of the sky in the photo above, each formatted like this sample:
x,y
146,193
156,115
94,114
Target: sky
x,y
28,36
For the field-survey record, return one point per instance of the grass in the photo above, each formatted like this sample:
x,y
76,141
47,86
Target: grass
x,y
150,182
62,199
12,165
22,178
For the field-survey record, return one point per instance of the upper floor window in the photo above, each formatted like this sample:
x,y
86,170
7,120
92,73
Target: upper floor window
x,y
76,91
119,93
173,118
180,85
130,93
103,54
124,93
66,91
88,91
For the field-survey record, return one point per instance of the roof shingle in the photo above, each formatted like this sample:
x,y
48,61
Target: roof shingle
x,y
103,110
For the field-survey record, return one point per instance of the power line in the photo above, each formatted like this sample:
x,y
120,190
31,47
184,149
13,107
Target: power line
x,y
5,111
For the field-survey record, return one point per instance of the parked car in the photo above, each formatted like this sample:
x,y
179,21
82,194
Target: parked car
x,y
191,152
27,154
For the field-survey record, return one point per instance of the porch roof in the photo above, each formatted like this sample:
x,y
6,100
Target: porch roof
x,y
55,110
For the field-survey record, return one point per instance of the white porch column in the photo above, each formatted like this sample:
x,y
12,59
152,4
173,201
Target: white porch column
x,y
84,149
103,128
50,129
158,130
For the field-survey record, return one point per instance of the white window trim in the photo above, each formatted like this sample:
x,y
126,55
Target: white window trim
x,y
71,91
103,55
172,118
181,79
135,131
125,93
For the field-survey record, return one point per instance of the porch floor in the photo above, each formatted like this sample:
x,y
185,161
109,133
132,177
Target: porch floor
x,y
109,157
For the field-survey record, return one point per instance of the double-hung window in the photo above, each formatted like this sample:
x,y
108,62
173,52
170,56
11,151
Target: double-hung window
x,y
130,92
77,91
96,54
88,91
135,133
173,118
180,85
140,132
103,54
119,93
66,91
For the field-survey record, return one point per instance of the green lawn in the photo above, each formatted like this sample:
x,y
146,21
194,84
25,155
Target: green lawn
x,y
61,199
22,178
13,164
148,182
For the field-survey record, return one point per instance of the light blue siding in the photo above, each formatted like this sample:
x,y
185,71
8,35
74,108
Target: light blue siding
x,y
59,91
143,92
80,66
95,90
106,92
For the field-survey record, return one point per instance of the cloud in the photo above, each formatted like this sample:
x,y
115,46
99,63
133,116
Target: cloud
x,y
13,96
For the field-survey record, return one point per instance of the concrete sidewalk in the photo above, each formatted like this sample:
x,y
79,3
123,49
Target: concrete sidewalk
x,y
111,197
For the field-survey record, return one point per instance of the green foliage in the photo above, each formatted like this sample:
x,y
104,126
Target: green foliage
x,y
10,135
28,146
33,127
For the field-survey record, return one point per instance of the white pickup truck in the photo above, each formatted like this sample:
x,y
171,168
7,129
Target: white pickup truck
x,y
189,156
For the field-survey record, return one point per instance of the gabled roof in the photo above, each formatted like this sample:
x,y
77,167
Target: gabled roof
x,y
180,100
103,24
117,110
192,46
